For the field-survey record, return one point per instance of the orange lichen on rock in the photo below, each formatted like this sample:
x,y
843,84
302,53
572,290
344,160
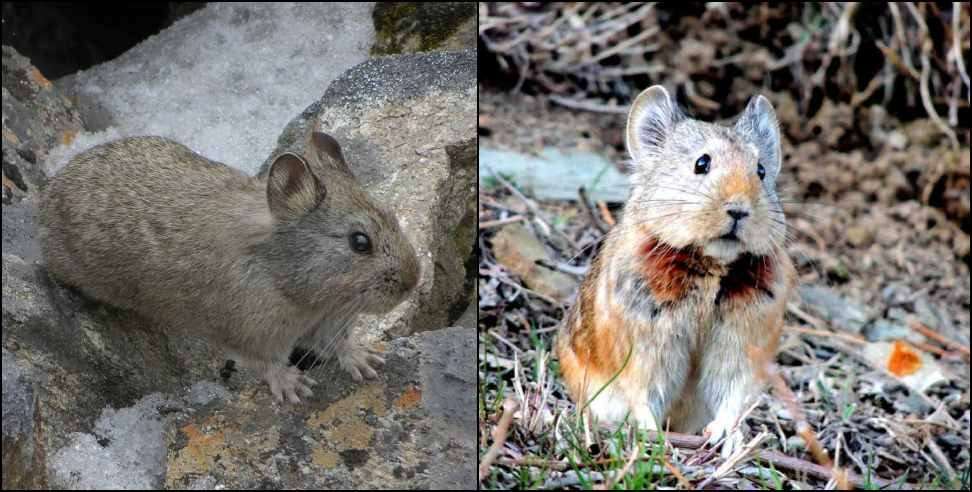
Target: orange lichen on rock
x,y
411,397
39,78
903,360
67,136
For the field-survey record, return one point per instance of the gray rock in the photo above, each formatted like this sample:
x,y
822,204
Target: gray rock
x,y
556,175
225,79
844,314
205,392
36,118
125,450
883,330
927,313
24,456
20,230
448,365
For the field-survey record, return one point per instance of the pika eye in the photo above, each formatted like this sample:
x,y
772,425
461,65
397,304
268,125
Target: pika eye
x,y
360,242
702,165
760,171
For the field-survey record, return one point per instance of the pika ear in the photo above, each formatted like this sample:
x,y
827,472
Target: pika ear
x,y
652,118
292,189
328,150
758,124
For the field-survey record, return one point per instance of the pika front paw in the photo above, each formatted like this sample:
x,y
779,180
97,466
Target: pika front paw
x,y
287,382
360,361
717,430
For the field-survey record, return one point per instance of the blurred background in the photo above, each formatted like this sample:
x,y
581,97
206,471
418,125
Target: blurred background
x,y
873,101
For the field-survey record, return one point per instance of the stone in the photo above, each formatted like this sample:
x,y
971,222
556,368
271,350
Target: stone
x,y
410,27
844,314
555,174
517,249
36,118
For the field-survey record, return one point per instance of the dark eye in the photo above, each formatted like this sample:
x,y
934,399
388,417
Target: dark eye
x,y
702,165
760,171
360,242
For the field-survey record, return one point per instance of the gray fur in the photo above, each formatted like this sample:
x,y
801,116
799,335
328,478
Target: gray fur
x,y
254,264
652,120
758,125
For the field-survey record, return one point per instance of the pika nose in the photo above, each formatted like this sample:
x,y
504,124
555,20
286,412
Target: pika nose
x,y
737,213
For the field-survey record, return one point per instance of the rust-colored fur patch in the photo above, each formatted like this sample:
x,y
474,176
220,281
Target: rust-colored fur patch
x,y
670,271
595,342
747,276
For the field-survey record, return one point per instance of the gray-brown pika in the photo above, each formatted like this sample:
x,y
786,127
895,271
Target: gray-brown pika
x,y
254,264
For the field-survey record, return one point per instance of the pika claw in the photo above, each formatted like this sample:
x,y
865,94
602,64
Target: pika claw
x,y
358,362
716,431
288,382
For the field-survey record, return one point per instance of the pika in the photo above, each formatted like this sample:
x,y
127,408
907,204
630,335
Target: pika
x,y
693,276
255,265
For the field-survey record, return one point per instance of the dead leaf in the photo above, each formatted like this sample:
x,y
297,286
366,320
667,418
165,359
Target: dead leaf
x,y
915,369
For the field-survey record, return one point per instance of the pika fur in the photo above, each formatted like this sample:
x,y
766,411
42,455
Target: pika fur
x,y
254,264
694,275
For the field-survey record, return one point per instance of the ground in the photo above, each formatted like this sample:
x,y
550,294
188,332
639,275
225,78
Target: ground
x,y
879,223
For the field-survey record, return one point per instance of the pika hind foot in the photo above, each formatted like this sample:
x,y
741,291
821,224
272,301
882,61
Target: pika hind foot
x,y
358,361
288,382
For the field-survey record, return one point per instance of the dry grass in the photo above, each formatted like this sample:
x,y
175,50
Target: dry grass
x,y
596,56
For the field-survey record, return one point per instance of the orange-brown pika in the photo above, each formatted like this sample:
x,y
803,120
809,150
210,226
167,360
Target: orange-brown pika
x,y
693,276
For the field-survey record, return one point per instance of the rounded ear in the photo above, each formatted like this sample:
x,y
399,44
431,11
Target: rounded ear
x,y
328,150
292,189
758,124
652,118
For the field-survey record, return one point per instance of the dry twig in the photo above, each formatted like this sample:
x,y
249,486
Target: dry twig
x,y
500,432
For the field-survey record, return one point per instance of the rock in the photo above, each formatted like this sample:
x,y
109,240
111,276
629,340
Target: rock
x,y
406,125
223,80
517,249
927,314
410,27
125,450
556,175
827,303
36,118
24,456
883,330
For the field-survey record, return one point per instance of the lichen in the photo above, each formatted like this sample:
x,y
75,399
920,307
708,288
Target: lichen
x,y
409,27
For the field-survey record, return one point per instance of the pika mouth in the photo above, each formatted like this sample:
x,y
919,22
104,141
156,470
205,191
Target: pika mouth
x,y
729,236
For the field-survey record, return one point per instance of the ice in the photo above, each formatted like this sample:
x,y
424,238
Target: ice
x,y
225,80
127,450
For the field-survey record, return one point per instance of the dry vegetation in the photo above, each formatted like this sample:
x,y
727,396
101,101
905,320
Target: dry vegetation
x,y
874,103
